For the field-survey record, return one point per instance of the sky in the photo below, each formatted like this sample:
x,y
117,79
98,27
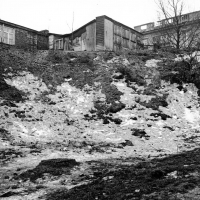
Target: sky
x,y
57,15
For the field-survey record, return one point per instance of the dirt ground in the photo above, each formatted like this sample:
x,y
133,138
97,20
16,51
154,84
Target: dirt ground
x,y
97,125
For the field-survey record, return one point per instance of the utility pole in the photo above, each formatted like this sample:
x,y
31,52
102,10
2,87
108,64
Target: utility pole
x,y
72,28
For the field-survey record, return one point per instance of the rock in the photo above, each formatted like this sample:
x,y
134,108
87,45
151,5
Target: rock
x,y
162,115
127,143
133,118
59,162
117,121
8,194
116,107
6,177
139,133
157,174
109,151
118,75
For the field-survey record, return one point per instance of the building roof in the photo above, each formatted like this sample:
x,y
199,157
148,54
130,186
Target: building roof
x,y
120,23
20,27
144,24
94,20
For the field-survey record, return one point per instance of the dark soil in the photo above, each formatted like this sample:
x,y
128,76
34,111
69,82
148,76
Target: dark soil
x,y
54,167
147,180
9,154
155,102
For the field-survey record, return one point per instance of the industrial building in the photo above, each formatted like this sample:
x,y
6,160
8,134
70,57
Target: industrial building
x,y
102,33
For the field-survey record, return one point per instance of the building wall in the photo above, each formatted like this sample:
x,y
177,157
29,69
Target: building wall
x,y
124,37
114,36
160,35
156,32
100,36
30,41
91,37
23,38
144,27
83,39
42,42
108,35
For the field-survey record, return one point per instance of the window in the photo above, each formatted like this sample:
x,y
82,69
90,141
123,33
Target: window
x,y
59,44
123,32
117,30
11,38
127,34
156,39
8,35
117,39
5,37
170,21
144,27
145,41
133,38
30,38
185,18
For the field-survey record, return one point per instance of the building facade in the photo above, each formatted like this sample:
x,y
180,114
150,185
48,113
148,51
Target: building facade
x,y
23,37
157,32
102,33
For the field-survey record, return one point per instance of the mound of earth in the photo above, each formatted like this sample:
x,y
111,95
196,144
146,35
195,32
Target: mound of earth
x,y
98,125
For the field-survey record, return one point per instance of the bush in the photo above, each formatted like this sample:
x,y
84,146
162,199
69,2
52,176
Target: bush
x,y
132,74
57,57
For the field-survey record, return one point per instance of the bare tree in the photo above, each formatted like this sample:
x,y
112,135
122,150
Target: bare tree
x,y
177,29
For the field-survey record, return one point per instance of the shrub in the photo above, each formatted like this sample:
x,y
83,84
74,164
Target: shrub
x,y
132,74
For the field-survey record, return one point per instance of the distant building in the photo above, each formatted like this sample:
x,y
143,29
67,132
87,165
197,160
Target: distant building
x,y
22,37
155,32
102,33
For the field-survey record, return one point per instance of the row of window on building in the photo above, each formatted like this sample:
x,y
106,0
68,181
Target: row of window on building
x,y
181,19
7,35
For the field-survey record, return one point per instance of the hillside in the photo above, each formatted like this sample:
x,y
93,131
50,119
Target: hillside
x,y
98,125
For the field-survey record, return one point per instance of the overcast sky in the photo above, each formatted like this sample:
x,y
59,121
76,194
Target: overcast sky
x,y
57,15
